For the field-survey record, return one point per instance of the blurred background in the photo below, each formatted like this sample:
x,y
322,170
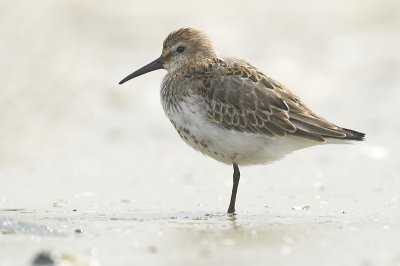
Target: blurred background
x,y
69,133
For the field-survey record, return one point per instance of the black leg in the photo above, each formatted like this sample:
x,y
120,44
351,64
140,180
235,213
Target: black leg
x,y
236,178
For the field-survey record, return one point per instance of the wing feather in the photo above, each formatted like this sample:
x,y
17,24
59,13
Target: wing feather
x,y
241,98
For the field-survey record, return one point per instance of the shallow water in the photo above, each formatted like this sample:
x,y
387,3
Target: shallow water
x,y
178,238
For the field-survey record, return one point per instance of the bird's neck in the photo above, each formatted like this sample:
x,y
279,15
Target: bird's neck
x,y
193,66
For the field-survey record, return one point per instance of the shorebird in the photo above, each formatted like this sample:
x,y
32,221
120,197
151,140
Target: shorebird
x,y
231,111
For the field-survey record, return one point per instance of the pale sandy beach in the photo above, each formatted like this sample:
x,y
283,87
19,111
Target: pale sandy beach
x,y
93,172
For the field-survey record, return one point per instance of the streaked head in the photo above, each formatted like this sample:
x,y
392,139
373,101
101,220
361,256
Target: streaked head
x,y
181,47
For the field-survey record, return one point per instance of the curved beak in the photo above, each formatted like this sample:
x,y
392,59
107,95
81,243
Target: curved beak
x,y
156,64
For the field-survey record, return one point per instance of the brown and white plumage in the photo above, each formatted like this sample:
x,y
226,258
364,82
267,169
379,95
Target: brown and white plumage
x,y
239,97
230,110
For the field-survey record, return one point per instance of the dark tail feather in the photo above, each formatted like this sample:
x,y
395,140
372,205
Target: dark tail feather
x,y
353,135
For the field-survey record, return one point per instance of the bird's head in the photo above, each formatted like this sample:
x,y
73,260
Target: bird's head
x,y
182,47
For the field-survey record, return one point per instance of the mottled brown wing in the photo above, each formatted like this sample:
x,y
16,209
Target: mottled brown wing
x,y
245,100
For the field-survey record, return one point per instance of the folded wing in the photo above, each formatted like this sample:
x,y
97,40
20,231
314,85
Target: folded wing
x,y
241,98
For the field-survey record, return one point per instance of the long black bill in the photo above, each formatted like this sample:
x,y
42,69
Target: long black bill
x,y
156,64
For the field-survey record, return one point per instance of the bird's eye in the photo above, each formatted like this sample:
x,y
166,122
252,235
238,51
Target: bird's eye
x,y
180,49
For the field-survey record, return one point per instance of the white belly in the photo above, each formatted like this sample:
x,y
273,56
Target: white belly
x,y
225,145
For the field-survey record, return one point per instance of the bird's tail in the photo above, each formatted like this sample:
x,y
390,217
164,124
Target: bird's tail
x,y
353,135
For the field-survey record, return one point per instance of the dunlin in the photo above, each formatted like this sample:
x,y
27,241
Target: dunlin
x,y
231,111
